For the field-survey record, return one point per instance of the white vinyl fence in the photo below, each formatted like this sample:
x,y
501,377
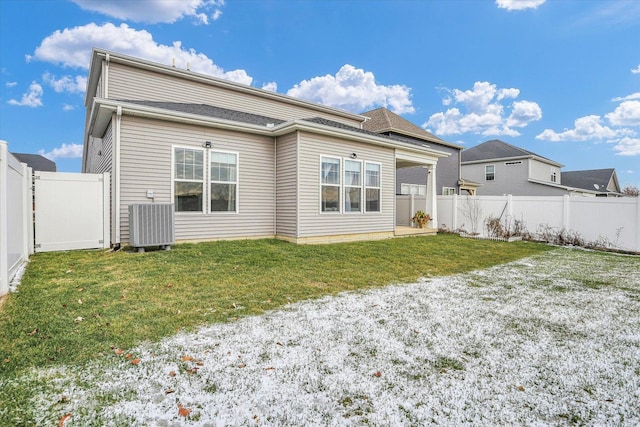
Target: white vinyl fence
x,y
16,216
615,221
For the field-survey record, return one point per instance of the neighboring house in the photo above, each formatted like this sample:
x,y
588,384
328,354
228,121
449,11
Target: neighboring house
x,y
237,161
503,168
604,182
36,162
411,179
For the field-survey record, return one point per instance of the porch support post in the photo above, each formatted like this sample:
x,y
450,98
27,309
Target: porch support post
x,y
431,200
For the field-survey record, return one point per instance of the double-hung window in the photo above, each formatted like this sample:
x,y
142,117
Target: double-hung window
x,y
330,184
489,172
372,187
352,186
224,182
188,179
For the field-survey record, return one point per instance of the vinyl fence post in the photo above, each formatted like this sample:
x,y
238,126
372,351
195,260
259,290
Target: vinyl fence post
x,y
454,212
637,224
411,206
26,172
565,212
4,262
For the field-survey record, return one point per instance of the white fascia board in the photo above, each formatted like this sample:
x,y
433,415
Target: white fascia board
x,y
103,108
238,87
563,187
425,138
317,128
95,69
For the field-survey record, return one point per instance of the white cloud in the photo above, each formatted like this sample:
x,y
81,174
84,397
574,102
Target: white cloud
x,y
628,147
631,97
152,11
71,47
65,151
523,113
354,89
33,98
585,128
216,14
77,84
636,70
483,112
627,114
67,107
519,4
270,86
11,84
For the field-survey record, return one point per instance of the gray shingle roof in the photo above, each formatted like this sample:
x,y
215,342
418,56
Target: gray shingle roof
x,y
383,120
36,162
210,111
255,119
594,180
496,149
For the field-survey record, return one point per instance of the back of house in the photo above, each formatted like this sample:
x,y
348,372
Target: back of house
x,y
237,161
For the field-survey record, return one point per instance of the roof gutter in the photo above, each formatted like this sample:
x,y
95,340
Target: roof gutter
x,y
105,107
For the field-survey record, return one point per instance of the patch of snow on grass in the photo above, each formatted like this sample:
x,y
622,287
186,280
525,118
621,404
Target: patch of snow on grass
x,y
525,343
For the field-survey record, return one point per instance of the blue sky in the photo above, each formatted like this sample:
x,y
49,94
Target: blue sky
x,y
560,78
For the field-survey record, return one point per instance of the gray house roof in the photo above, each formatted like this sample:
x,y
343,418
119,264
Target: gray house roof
x,y
601,180
496,149
210,111
383,121
36,162
242,117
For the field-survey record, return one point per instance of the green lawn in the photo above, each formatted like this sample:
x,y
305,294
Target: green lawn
x,y
73,307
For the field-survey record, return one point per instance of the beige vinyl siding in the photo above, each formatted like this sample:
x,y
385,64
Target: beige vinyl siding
x,y
287,185
311,221
131,83
145,158
102,152
542,171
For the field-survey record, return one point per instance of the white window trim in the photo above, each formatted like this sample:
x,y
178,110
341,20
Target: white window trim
x,y
485,172
345,186
210,181
339,185
203,180
365,186
445,190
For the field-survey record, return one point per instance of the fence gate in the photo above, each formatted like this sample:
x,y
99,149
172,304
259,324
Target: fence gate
x,y
71,211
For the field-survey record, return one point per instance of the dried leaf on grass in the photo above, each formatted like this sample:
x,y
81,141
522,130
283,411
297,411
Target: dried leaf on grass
x,y
63,420
182,411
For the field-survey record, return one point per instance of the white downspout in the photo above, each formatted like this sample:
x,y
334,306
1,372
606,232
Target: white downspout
x,y
275,186
105,77
116,178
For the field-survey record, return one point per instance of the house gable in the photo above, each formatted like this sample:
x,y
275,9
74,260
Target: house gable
x,y
117,76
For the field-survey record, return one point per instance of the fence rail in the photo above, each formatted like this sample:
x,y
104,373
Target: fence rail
x,y
16,216
615,221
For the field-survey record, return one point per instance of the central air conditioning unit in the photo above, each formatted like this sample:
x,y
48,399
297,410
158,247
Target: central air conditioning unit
x,y
151,224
